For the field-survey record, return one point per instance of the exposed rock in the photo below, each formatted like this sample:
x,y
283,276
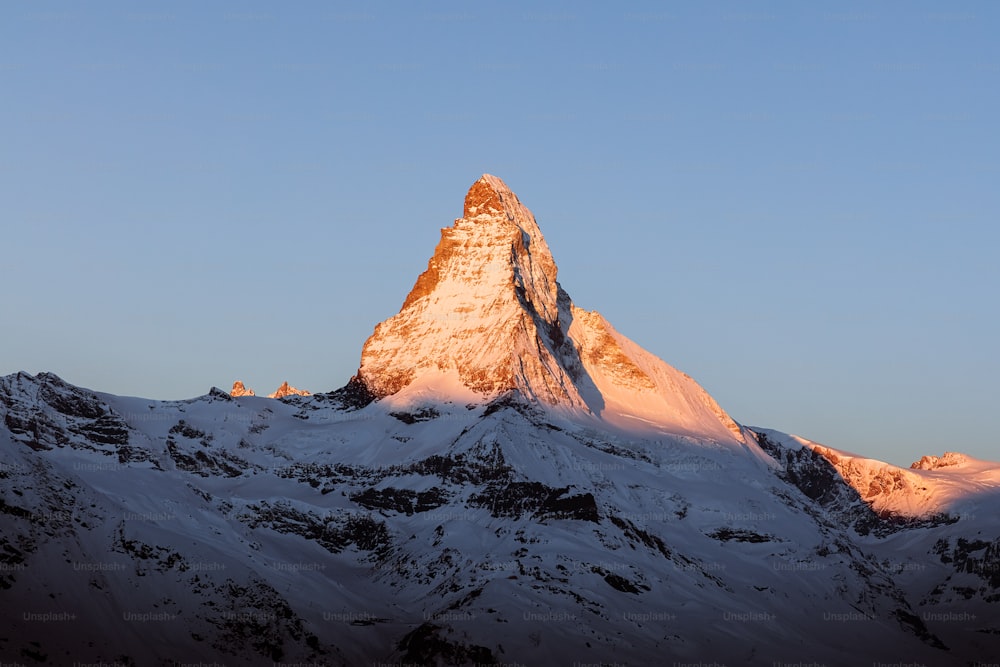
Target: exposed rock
x,y
287,390
239,389
948,460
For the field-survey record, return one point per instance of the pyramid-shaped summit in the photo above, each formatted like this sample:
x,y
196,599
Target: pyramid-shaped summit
x,y
488,316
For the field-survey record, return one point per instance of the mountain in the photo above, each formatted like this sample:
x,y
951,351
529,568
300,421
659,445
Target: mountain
x,y
505,480
240,390
488,317
286,390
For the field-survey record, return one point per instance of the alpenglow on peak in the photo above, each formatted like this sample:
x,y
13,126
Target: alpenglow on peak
x,y
489,314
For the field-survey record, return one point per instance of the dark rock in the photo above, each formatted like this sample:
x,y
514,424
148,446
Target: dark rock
x,y
426,645
516,499
421,415
352,396
739,535
403,501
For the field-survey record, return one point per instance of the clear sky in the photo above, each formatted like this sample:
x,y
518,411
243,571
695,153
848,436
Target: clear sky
x,y
795,203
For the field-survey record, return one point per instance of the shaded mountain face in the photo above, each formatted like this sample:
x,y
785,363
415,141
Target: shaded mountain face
x,y
506,480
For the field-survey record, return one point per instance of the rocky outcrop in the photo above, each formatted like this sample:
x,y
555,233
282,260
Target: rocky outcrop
x,y
287,390
239,389
948,460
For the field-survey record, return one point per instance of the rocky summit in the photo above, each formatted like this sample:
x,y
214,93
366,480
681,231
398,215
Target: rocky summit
x,y
506,480
287,390
240,390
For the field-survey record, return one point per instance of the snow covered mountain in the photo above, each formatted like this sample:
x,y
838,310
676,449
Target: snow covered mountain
x,y
506,480
488,317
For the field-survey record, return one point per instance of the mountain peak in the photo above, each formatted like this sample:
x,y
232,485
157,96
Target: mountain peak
x,y
239,389
488,299
287,390
490,196
488,316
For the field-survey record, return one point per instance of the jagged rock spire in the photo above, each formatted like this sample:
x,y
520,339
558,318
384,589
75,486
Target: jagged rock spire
x,y
239,389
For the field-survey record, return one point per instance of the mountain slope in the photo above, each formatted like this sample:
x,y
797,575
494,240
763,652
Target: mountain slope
x,y
495,530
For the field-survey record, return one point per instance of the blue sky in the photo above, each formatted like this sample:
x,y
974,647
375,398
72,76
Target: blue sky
x,y
795,203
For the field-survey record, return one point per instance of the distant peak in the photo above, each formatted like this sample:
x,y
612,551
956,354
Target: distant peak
x,y
239,389
287,390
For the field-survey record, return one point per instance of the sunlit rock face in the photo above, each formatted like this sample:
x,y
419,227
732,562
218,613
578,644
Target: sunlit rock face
x,y
950,459
239,389
489,308
287,390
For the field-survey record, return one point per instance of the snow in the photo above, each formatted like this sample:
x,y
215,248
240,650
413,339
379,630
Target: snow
x,y
680,488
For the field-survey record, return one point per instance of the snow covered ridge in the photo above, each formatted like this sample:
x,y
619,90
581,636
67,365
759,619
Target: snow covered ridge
x,y
507,480
946,486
